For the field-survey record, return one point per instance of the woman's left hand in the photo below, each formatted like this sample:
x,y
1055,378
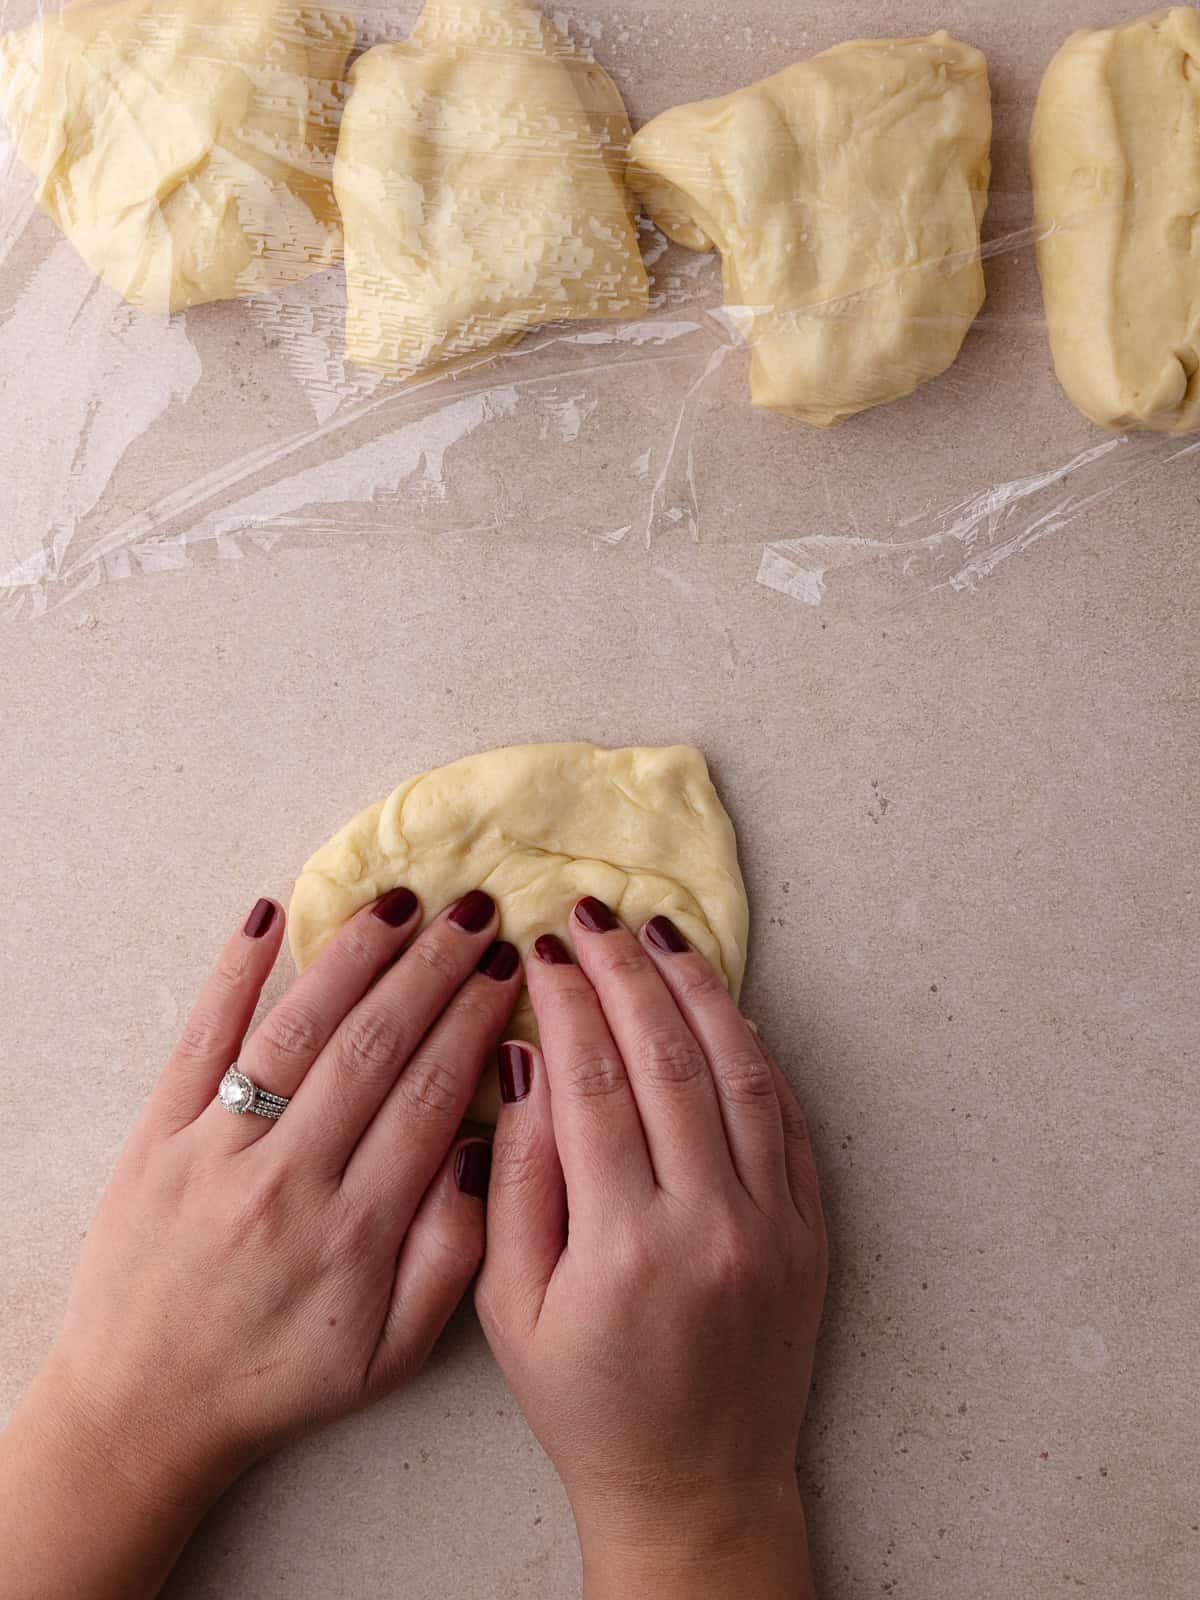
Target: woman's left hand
x,y
246,1279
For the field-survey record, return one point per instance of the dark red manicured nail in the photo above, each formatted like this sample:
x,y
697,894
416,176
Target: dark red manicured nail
x,y
500,962
516,1072
396,907
473,912
664,935
260,919
595,915
550,949
472,1168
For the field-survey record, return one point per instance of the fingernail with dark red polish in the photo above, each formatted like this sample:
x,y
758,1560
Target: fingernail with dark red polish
x,y
472,1167
260,919
473,912
500,962
595,915
516,1072
396,907
664,935
550,949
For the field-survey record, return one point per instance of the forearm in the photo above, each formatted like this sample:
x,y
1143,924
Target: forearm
x,y
755,1553
86,1515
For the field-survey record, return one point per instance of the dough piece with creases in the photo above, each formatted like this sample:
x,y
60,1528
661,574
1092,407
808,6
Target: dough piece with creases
x,y
540,826
185,147
1115,156
481,178
845,195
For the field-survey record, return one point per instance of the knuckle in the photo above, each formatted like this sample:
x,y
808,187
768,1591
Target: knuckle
x,y
432,1087
149,1169
744,1078
204,1034
372,1038
568,997
261,1206
633,1263
570,987
453,1254
355,946
357,1236
736,1266
227,979
437,959
476,1006
518,1167
795,1124
593,1074
666,1056
293,1033
698,982
622,958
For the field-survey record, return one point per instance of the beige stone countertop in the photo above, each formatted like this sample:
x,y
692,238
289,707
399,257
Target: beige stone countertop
x,y
968,827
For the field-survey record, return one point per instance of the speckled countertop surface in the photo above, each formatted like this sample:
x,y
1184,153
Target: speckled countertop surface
x,y
968,830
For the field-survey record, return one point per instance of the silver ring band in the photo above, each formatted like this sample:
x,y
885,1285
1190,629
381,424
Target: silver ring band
x,y
240,1095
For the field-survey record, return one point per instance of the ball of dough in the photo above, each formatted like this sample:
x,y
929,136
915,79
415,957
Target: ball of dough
x,y
845,195
481,178
1115,156
539,826
185,149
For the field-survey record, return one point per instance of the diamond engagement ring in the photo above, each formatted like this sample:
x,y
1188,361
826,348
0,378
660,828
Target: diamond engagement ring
x,y
239,1095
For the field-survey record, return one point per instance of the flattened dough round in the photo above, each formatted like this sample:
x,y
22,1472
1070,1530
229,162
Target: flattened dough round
x,y
538,826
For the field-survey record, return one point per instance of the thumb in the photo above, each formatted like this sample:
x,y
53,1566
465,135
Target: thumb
x,y
437,1262
527,1201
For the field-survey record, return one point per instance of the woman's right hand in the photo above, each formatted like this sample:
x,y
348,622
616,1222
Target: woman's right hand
x,y
246,1278
656,1266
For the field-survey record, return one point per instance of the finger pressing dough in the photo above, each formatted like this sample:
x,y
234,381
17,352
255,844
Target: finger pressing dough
x,y
481,178
539,826
1115,155
845,195
185,148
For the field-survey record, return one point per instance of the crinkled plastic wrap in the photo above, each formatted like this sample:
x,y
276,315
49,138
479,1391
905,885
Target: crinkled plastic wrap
x,y
197,360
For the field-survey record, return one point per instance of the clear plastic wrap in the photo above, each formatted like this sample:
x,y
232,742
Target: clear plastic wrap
x,y
136,440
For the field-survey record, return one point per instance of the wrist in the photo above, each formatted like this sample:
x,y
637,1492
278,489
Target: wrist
x,y
749,1539
159,1467
127,1502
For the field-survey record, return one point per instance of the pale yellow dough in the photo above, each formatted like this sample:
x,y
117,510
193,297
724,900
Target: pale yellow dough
x,y
1115,154
539,826
845,195
185,148
481,179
